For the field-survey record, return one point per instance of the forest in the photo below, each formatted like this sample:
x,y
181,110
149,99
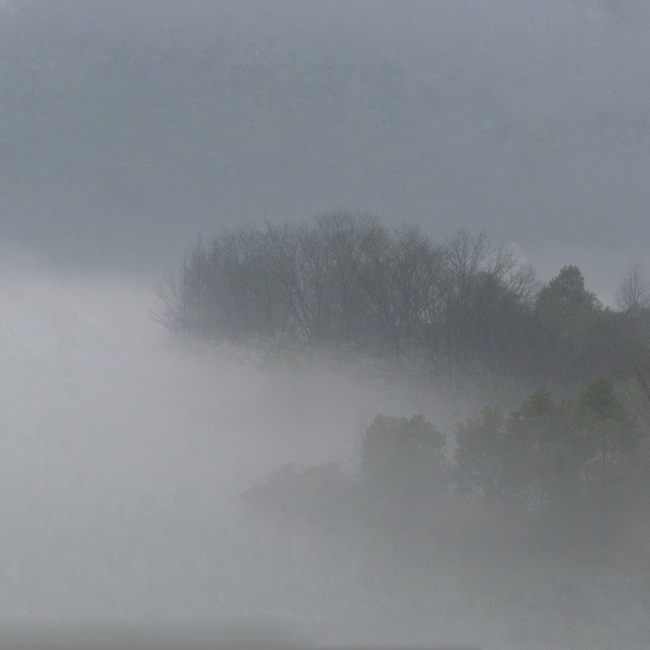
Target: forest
x,y
461,312
556,460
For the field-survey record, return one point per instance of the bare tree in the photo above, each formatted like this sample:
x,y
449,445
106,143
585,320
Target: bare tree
x,y
484,293
633,292
343,234
462,309
168,309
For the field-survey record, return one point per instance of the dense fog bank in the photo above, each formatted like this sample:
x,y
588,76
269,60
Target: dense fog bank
x,y
125,457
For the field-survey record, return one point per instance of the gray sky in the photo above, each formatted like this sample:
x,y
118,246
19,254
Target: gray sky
x,y
128,128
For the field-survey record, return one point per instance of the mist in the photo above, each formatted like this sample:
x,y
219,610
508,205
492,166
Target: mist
x,y
125,456
131,129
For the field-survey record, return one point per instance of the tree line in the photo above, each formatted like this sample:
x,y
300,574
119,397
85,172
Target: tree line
x,y
460,310
562,477
570,474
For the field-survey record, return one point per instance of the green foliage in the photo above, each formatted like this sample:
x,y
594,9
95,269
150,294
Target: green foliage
x,y
569,467
540,403
565,306
560,475
609,434
567,292
600,401
403,459
544,460
480,452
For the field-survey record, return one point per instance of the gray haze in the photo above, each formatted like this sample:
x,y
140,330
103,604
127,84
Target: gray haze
x,y
124,459
128,128
123,462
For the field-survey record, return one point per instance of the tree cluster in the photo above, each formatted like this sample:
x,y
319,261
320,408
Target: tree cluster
x,y
461,310
569,466
554,477
566,469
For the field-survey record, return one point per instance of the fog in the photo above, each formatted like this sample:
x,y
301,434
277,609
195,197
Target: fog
x,y
125,456
131,128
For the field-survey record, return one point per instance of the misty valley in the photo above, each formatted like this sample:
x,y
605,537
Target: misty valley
x,y
324,324
536,493
382,439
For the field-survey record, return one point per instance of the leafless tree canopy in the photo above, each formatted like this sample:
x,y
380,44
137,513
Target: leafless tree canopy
x,y
347,284
634,290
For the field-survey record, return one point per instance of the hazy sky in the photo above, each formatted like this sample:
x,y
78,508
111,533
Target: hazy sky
x,y
128,128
